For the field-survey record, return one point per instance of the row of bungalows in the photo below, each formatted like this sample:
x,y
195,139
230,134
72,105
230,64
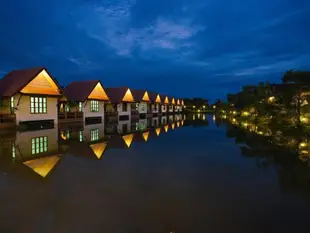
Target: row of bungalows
x,y
32,95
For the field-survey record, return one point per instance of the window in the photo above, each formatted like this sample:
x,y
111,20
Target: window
x,y
38,105
124,107
67,108
81,136
38,145
94,134
13,150
12,104
80,106
94,106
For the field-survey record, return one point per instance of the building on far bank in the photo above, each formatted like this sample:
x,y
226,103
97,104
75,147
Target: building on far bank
x,y
88,98
156,102
29,96
143,102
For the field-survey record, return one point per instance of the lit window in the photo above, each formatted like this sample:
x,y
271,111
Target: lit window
x,y
67,108
12,104
94,106
80,106
38,145
81,136
94,134
38,105
13,150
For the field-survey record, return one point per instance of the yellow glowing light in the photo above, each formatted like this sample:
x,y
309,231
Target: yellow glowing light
x,y
166,128
245,113
271,99
213,118
158,99
43,166
224,116
98,149
198,115
260,133
303,144
172,126
178,124
234,112
198,110
128,139
214,106
98,93
128,96
146,97
146,136
304,119
157,131
204,106
203,117
194,106
63,135
182,123
166,100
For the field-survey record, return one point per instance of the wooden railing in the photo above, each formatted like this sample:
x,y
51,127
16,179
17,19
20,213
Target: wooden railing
x,y
7,118
111,114
70,115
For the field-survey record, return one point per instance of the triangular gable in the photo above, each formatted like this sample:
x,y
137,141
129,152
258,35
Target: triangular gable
x,y
178,102
172,125
166,100
158,99
146,136
146,97
43,166
42,84
98,149
98,93
128,96
128,139
166,128
173,101
157,131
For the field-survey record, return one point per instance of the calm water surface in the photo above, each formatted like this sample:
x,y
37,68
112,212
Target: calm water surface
x,y
157,176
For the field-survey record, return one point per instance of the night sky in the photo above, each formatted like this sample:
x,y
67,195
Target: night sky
x,y
186,48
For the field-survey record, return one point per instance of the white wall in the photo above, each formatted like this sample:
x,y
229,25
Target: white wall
x,y
153,108
124,113
88,113
170,110
22,111
142,108
121,124
163,108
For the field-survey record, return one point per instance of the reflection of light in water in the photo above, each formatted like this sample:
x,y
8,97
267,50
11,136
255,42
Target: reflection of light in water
x,y
182,122
42,166
178,124
302,144
98,149
166,128
146,135
214,118
194,117
198,115
63,135
81,136
203,117
172,125
128,139
157,131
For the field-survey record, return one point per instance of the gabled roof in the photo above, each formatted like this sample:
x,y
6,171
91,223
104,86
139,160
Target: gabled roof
x,y
139,94
16,80
79,91
153,96
165,99
116,94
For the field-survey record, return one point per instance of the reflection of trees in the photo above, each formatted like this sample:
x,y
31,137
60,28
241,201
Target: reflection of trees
x,y
293,174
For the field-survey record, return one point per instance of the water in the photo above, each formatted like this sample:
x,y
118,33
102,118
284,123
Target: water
x,y
196,177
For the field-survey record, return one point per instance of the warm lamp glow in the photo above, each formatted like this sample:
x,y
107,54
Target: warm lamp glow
x,y
128,139
178,124
157,131
41,84
43,166
166,100
98,149
146,136
98,93
158,99
166,128
172,125
146,97
128,96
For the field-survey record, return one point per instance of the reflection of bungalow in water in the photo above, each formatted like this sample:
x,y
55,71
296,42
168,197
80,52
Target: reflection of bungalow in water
x,y
156,103
141,136
143,103
121,141
170,118
121,101
87,149
171,108
28,96
124,127
163,120
155,122
88,98
178,107
37,150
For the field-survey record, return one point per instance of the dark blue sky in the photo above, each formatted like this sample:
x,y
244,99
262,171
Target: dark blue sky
x,y
184,48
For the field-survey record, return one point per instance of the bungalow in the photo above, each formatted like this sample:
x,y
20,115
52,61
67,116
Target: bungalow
x,y
164,106
88,98
29,96
171,108
156,101
143,103
121,101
